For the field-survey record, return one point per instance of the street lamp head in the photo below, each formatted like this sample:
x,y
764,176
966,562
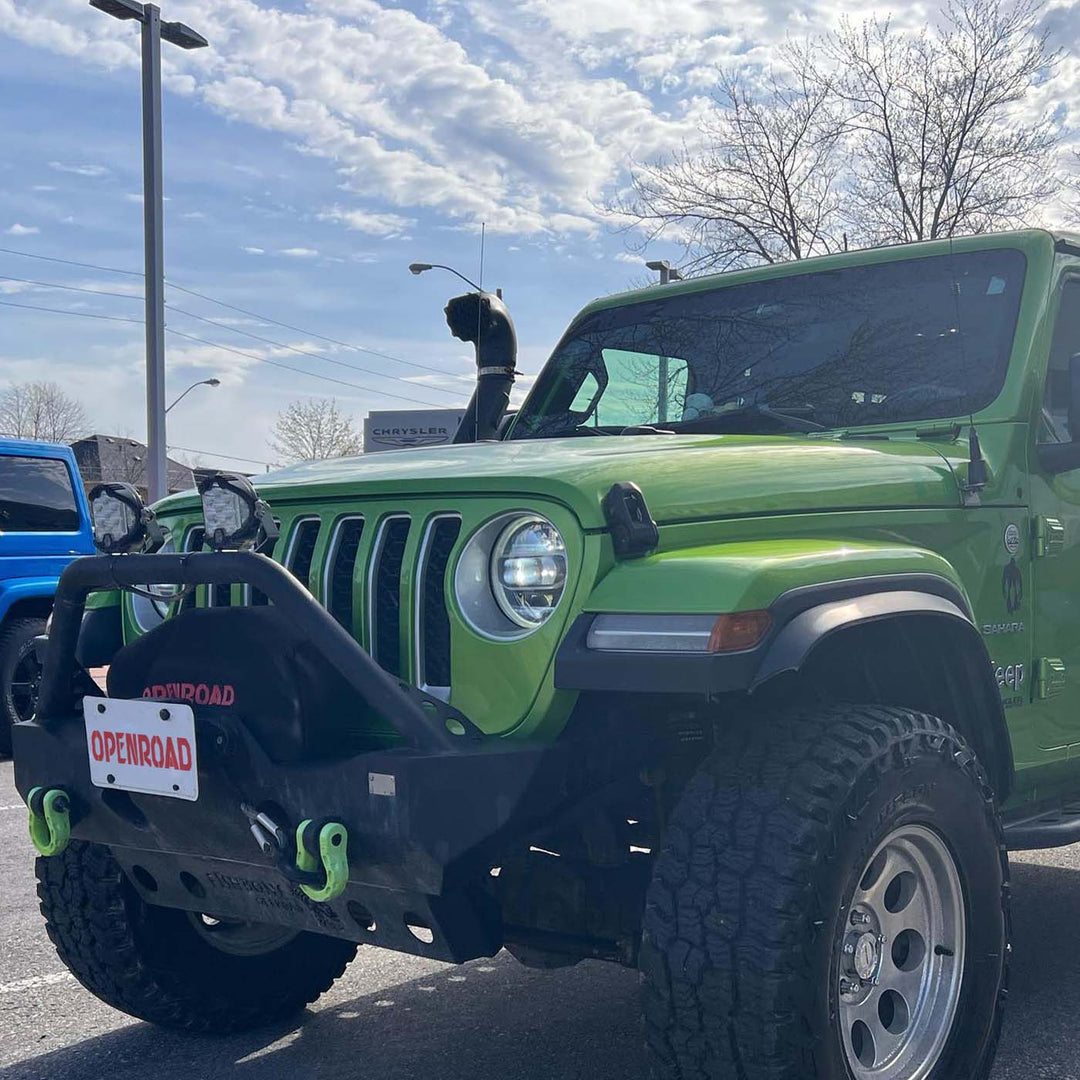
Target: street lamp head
x,y
658,264
179,33
120,9
213,382
418,268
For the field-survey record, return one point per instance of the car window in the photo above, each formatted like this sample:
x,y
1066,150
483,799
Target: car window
x,y
36,495
1065,345
895,341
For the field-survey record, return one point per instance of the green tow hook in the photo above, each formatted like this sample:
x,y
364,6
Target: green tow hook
x,y
50,820
333,858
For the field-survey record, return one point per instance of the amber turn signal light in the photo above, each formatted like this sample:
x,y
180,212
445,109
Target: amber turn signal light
x,y
739,630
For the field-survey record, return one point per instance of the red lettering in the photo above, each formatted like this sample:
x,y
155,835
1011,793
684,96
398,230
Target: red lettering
x,y
132,748
157,752
184,748
202,694
97,747
215,695
144,750
120,742
170,755
146,692
228,696
187,691
110,745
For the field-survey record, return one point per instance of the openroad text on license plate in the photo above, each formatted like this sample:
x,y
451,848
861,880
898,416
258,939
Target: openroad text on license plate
x,y
143,746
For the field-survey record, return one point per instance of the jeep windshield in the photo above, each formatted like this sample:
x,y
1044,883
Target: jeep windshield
x,y
902,340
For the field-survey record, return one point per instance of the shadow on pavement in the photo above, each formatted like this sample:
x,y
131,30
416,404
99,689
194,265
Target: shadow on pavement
x,y
488,1018
495,1018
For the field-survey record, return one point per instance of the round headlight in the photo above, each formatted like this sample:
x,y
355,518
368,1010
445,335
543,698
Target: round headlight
x,y
528,571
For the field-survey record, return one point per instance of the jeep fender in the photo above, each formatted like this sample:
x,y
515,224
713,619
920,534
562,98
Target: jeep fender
x,y
855,590
16,590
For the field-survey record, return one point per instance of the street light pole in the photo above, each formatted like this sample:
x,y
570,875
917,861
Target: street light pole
x,y
157,475
153,30
201,382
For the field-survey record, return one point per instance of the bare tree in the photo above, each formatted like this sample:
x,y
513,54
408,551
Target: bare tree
x,y
938,143
764,186
43,411
311,429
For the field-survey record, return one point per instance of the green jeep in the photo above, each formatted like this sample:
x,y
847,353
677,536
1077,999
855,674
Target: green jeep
x,y
738,655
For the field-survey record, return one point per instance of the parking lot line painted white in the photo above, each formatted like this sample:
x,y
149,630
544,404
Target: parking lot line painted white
x,y
36,981
17,806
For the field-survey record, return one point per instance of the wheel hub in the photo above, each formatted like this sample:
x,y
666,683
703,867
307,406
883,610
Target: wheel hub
x,y
901,958
866,957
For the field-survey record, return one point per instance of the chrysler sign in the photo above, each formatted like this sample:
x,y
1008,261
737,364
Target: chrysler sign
x,y
409,428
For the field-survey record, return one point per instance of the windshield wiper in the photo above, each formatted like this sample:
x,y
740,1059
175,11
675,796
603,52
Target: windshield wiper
x,y
789,418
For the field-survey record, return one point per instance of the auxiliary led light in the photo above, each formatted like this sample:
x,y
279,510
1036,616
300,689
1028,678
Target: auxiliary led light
x,y
122,522
233,513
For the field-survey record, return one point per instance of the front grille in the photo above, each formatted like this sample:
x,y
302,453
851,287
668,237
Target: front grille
x,y
384,592
193,541
341,568
365,554
432,617
302,549
256,597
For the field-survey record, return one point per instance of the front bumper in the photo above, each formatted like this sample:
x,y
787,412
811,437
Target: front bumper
x,y
426,821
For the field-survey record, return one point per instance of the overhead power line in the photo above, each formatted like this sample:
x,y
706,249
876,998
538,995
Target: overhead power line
x,y
305,352
301,330
226,348
225,326
299,371
72,288
228,457
64,311
232,307
70,262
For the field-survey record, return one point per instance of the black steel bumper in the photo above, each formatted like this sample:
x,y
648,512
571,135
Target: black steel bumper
x,y
425,821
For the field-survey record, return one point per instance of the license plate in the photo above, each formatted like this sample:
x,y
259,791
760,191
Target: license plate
x,y
142,746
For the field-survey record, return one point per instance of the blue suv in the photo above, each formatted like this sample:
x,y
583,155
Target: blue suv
x,y
44,524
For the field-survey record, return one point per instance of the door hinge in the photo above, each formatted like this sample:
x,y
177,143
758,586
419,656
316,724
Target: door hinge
x,y
1049,677
1049,536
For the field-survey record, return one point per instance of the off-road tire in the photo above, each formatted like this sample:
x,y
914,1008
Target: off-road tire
x,y
16,641
758,865
150,962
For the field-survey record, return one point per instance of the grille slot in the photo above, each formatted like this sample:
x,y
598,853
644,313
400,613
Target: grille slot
x,y
340,568
432,617
256,597
384,592
302,549
193,541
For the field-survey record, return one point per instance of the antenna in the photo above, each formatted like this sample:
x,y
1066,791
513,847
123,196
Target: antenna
x,y
479,322
483,230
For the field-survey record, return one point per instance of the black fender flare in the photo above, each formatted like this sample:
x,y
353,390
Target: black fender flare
x,y
802,620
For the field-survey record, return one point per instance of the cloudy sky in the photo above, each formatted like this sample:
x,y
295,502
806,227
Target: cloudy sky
x,y
315,150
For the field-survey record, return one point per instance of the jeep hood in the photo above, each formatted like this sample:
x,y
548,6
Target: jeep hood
x,y
683,477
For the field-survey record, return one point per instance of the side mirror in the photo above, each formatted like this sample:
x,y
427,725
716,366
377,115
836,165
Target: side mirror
x,y
1062,457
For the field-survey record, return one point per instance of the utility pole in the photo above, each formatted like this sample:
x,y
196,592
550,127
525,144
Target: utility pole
x,y
153,30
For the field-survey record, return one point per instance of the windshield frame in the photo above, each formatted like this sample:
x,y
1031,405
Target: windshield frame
x,y
1029,270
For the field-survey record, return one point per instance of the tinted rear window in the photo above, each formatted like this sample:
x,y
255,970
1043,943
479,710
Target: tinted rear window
x,y
36,496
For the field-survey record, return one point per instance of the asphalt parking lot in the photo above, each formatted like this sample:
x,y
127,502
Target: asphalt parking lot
x,y
396,1017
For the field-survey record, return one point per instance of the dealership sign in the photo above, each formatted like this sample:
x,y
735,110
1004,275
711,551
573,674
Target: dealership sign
x,y
398,430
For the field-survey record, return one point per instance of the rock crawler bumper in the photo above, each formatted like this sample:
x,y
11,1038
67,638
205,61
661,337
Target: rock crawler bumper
x,y
426,821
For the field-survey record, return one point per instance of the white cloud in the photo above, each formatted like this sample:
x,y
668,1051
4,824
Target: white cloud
x,y
254,250
44,187
299,252
19,229
79,170
368,222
